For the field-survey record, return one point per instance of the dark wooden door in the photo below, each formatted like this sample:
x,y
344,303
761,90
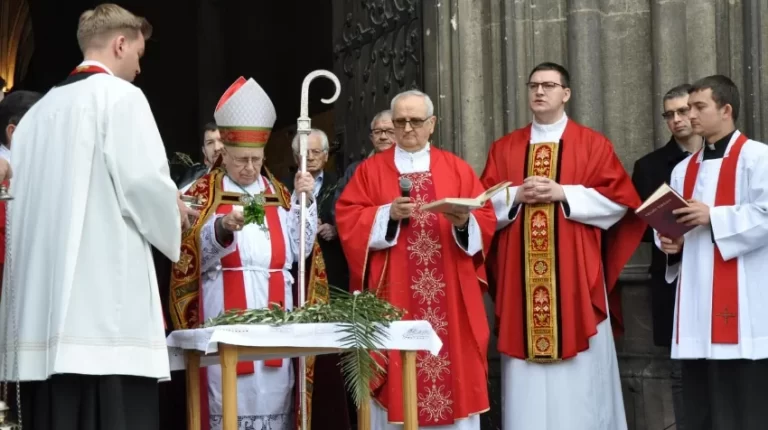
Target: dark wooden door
x,y
377,54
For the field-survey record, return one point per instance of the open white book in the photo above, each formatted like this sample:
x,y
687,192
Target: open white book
x,y
457,204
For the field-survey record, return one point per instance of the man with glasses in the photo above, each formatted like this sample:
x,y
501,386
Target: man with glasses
x,y
382,138
566,229
649,173
232,264
424,262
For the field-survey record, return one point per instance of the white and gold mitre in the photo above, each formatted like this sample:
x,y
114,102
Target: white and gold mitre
x,y
245,115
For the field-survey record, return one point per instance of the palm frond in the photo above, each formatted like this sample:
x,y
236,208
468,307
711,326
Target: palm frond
x,y
362,319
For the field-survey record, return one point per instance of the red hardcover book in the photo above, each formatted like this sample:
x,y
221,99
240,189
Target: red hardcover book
x,y
657,212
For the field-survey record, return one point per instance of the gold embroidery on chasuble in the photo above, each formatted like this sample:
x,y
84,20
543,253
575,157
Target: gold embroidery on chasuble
x,y
425,271
541,286
185,274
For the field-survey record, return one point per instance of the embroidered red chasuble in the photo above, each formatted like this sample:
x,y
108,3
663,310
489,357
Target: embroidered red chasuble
x,y
550,274
427,274
725,280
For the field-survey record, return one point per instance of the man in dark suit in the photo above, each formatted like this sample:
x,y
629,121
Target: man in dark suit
x,y
325,187
650,172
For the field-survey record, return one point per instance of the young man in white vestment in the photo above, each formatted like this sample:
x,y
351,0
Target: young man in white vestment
x,y
239,265
566,228
81,318
721,311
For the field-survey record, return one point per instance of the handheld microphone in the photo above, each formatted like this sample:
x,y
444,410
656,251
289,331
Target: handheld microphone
x,y
405,191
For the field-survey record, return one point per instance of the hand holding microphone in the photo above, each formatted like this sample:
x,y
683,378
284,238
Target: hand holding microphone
x,y
402,208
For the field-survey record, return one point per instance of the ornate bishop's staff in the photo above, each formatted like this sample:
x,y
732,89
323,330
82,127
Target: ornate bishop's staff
x,y
303,128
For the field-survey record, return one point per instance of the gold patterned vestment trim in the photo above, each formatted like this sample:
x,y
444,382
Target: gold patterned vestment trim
x,y
540,257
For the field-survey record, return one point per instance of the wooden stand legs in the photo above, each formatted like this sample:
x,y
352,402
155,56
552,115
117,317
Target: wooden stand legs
x,y
410,409
193,390
228,356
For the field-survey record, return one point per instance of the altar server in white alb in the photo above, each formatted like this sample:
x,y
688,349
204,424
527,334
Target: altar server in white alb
x,y
81,321
244,265
721,319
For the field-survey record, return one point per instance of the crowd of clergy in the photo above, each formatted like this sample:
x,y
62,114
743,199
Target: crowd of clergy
x,y
82,323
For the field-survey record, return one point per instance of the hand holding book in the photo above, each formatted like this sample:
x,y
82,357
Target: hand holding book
x,y
459,205
696,213
670,214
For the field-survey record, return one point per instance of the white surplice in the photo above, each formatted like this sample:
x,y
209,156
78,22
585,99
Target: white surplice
x,y
584,392
416,162
264,398
741,232
92,191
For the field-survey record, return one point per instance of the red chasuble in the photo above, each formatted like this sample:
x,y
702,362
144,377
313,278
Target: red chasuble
x,y
725,288
427,274
549,271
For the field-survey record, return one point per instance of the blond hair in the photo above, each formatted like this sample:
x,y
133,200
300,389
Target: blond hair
x,y
108,18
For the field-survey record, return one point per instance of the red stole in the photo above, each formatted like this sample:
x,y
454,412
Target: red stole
x,y
92,68
234,284
725,280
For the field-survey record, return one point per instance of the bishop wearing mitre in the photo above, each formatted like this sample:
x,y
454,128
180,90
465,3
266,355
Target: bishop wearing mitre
x,y
228,264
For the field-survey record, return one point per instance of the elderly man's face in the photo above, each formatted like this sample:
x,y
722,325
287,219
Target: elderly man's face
x,y
383,134
317,156
244,164
412,124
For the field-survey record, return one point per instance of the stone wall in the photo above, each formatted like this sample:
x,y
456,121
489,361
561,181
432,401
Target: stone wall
x,y
623,55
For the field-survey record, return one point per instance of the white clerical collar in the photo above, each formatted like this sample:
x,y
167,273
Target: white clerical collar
x,y
97,64
548,128
421,153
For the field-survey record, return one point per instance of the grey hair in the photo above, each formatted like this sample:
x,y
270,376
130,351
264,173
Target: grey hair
x,y
676,92
427,100
379,116
316,131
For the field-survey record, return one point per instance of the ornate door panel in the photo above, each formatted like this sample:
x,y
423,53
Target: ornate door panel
x,y
377,54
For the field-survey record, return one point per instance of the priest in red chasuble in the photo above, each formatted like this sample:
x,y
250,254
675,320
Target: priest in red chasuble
x,y
566,229
227,264
425,263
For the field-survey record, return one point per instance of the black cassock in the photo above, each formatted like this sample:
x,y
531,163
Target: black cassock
x,y
87,402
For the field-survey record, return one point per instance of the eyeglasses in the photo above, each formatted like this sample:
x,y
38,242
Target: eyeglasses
x,y
414,122
682,112
547,86
244,161
313,152
377,132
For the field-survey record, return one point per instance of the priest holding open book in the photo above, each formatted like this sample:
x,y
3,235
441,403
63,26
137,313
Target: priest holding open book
x,y
565,233
424,261
721,323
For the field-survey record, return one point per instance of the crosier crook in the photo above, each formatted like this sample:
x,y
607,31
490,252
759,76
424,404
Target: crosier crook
x,y
303,129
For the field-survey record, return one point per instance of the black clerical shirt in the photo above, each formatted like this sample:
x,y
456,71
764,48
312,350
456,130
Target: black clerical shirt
x,y
717,150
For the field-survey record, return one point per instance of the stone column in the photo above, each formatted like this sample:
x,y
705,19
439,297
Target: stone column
x,y
671,65
459,72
